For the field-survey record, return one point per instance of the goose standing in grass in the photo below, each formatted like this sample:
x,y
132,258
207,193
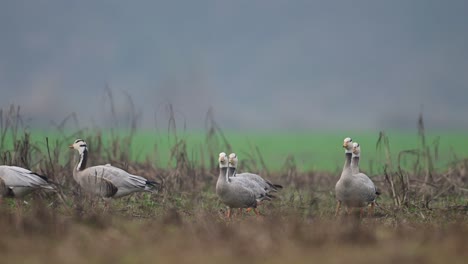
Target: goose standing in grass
x,y
236,192
369,191
261,187
341,188
105,180
17,182
266,185
353,190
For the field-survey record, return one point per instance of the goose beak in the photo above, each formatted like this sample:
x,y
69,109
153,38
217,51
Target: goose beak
x,y
345,145
71,146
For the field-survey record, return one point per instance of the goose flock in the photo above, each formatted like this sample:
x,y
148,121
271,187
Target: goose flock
x,y
235,190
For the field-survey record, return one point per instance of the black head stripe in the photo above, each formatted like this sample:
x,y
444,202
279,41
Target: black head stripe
x,y
83,145
79,140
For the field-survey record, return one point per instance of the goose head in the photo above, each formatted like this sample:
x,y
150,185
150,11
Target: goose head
x,y
348,145
233,160
356,149
223,160
79,145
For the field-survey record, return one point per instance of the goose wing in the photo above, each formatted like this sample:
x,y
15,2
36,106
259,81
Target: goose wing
x,y
366,187
125,182
267,185
20,177
119,177
98,185
237,195
255,188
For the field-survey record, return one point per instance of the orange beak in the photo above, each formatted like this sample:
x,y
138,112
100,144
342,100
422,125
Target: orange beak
x,y
71,146
345,145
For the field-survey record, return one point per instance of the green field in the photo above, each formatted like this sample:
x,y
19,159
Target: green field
x,y
421,217
312,151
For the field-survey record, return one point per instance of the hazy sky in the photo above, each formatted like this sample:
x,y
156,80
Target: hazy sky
x,y
259,64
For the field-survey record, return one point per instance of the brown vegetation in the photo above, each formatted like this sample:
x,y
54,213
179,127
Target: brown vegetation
x,y
422,216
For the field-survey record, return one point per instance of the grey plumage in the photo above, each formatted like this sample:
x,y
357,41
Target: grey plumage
x,y
369,191
234,192
18,182
353,190
265,184
106,180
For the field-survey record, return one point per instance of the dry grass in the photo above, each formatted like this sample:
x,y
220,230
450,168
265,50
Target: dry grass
x,y
422,218
201,235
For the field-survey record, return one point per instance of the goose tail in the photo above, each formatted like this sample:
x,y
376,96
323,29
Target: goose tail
x,y
152,185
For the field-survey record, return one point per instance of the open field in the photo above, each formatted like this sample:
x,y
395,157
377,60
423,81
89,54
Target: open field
x,y
312,151
422,218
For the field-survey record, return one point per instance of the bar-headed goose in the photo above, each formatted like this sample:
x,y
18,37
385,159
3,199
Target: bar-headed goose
x,y
354,190
261,187
341,191
267,185
365,187
235,192
105,180
17,182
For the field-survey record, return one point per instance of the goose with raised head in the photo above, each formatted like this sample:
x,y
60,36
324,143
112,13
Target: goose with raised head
x,y
266,185
105,180
235,192
365,187
341,188
354,190
17,182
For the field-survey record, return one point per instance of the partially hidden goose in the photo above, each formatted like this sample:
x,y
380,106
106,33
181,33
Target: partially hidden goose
x,y
3,190
353,190
253,182
341,192
267,185
17,182
105,180
236,192
369,191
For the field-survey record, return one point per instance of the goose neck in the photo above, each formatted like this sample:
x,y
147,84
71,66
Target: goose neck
x,y
355,164
83,160
347,163
223,174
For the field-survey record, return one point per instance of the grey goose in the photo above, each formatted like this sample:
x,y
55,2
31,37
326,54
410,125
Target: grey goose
x,y
236,192
107,181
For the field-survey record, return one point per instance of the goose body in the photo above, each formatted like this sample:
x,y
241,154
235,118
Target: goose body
x,y
353,189
266,185
18,182
367,189
342,191
236,192
106,180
